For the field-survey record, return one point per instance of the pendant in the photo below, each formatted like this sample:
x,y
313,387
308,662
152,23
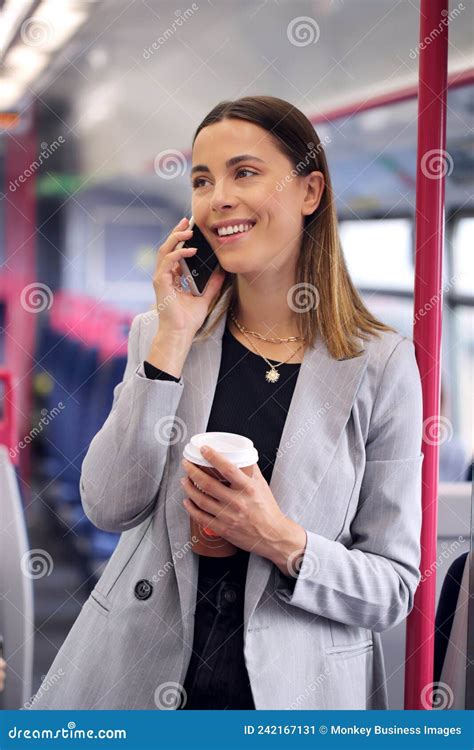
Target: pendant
x,y
272,375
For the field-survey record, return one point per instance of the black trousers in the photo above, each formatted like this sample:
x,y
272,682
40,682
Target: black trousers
x,y
217,677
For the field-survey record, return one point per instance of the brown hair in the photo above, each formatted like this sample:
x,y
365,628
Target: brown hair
x,y
338,312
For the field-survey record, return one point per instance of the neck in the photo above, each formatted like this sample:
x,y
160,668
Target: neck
x,y
262,306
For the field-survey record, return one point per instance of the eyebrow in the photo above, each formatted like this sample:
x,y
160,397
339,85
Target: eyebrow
x,y
229,163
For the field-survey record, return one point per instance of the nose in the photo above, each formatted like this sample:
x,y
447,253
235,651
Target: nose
x,y
222,196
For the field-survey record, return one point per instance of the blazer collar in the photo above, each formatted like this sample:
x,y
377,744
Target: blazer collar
x,y
322,400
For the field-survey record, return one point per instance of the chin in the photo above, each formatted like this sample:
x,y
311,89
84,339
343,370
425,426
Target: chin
x,y
237,265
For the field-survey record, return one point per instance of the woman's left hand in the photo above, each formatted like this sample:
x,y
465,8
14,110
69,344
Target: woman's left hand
x,y
246,513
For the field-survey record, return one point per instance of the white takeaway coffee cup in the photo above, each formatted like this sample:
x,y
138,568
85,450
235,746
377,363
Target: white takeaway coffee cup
x,y
238,450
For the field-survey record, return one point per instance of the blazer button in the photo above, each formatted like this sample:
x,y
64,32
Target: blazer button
x,y
143,589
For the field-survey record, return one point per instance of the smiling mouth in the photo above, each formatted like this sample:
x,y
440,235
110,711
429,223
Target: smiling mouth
x,y
228,233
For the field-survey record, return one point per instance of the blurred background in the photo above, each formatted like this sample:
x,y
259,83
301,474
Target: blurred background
x,y
99,100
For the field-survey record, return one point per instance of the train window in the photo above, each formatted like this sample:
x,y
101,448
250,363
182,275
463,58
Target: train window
x,y
395,312
464,256
379,252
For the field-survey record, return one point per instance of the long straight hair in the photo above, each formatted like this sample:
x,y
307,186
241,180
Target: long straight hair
x,y
324,295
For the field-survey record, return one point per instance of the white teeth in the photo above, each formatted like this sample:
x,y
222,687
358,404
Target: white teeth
x,y
223,231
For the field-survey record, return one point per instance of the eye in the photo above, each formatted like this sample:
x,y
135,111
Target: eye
x,y
245,169
197,182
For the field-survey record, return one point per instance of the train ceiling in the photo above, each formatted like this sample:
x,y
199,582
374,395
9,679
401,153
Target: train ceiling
x,y
138,76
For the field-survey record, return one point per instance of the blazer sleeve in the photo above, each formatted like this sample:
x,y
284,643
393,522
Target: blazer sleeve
x,y
124,465
372,583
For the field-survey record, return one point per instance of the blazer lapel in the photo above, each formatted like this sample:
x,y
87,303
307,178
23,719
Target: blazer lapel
x,y
319,410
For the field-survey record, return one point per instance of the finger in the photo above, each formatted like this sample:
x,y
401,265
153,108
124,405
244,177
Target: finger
x,y
205,519
181,224
180,252
169,260
206,483
203,500
232,473
173,239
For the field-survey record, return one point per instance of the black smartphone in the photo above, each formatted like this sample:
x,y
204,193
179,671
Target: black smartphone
x,y
198,268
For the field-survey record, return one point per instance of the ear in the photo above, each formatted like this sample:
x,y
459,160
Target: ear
x,y
314,188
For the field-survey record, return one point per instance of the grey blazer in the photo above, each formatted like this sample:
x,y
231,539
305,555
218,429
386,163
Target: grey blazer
x,y
348,469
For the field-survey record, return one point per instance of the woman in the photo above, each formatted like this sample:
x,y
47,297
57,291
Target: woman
x,y
282,349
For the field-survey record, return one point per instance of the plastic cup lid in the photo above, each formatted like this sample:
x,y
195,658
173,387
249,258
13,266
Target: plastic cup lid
x,y
237,449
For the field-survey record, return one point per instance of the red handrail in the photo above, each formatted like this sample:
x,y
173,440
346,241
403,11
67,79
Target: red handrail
x,y
8,421
432,164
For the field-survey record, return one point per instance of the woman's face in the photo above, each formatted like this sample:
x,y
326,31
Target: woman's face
x,y
260,190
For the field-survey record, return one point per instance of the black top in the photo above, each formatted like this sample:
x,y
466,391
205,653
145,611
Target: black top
x,y
245,403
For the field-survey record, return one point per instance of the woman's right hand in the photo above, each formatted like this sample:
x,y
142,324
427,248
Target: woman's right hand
x,y
179,310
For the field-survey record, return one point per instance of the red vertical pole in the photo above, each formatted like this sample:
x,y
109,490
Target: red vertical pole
x,y
21,152
433,162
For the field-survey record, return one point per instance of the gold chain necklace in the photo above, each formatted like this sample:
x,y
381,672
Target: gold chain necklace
x,y
271,375
243,329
